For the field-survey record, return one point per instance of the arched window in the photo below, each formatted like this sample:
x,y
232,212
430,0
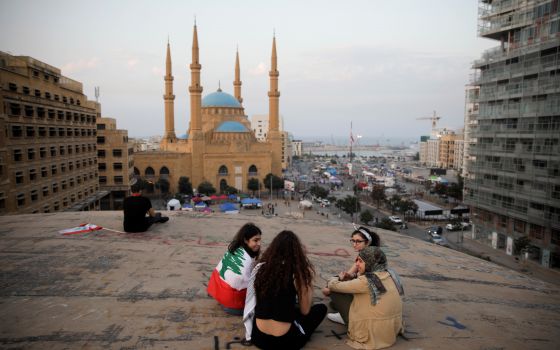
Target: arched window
x,y
164,171
252,170
149,171
223,185
223,170
136,171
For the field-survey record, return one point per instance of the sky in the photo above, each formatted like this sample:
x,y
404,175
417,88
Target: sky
x,y
377,64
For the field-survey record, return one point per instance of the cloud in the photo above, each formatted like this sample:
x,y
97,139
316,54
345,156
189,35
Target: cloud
x,y
80,65
260,69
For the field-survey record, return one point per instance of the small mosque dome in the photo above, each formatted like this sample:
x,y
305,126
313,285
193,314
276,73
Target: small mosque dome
x,y
230,126
220,99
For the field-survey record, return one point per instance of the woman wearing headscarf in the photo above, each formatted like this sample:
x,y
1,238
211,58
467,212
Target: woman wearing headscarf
x,y
375,315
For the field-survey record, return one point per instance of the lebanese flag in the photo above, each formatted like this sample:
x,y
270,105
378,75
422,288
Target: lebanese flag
x,y
229,280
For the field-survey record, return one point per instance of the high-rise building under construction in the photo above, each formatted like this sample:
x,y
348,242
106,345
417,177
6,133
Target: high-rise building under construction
x,y
513,164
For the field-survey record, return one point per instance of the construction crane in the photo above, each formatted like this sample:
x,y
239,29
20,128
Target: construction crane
x,y
433,118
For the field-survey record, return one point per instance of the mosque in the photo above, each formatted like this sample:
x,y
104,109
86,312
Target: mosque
x,y
219,147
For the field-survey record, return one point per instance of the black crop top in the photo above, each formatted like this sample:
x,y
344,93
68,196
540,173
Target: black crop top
x,y
280,308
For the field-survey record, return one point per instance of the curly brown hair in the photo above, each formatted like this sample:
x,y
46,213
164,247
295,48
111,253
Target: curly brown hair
x,y
285,263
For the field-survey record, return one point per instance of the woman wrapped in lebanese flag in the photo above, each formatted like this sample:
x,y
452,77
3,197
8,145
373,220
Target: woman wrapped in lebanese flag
x,y
229,280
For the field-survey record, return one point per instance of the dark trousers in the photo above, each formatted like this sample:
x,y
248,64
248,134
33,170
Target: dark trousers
x,y
294,338
341,303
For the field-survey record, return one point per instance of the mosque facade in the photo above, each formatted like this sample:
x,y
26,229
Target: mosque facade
x,y
220,146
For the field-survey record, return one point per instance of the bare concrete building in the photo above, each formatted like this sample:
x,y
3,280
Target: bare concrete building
x,y
513,167
115,162
48,146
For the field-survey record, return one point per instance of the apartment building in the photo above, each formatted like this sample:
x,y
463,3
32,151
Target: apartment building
x,y
513,165
48,145
450,151
297,146
115,164
259,124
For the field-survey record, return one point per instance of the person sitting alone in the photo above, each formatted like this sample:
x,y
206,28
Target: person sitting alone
x,y
135,209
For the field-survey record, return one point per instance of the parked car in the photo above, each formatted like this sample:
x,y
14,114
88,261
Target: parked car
x,y
326,202
457,226
395,220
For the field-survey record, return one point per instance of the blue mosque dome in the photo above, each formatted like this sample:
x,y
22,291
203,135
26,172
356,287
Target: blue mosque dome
x,y
231,127
220,99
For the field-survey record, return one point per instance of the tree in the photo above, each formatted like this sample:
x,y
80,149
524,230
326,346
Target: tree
x,y
350,205
378,194
394,203
206,188
229,190
319,191
366,216
386,224
163,185
253,184
407,206
277,183
185,186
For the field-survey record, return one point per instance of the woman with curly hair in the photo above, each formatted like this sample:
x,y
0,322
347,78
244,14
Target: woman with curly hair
x,y
283,275
375,316
228,282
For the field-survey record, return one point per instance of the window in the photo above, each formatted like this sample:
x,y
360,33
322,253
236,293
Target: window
x,y
31,153
118,180
28,111
554,234
117,153
70,149
20,199
56,206
32,174
37,93
71,182
103,180
536,231
44,172
2,201
64,99
12,87
77,148
19,177
42,131
59,115
53,151
18,155
70,166
63,185
101,153
61,132
15,109
149,171
51,113
62,150
52,132
53,170
65,202
17,131
54,187
34,195
164,172
25,90
30,131
48,95
100,126
63,167
101,166
100,140
252,170
117,166
40,112
223,170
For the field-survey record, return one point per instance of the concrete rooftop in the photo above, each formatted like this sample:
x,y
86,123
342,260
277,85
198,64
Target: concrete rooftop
x,y
107,289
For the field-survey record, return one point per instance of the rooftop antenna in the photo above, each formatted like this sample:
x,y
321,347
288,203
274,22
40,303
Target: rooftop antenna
x,y
96,94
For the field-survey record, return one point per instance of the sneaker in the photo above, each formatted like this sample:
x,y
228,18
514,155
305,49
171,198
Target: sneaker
x,y
335,317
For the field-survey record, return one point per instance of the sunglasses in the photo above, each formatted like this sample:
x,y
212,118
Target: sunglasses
x,y
356,241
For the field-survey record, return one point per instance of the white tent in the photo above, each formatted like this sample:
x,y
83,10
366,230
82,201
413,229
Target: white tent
x,y
174,204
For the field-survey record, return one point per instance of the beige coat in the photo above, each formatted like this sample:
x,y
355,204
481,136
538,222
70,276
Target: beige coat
x,y
371,326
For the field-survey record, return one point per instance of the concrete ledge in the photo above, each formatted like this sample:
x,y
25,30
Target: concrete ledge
x,y
114,290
